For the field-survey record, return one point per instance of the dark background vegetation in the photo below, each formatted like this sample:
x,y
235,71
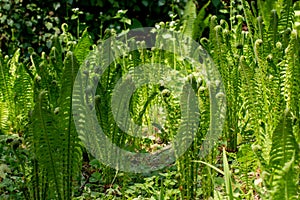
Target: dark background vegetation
x,y
30,23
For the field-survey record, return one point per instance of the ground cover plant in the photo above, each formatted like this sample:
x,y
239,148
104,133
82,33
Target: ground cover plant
x,y
255,47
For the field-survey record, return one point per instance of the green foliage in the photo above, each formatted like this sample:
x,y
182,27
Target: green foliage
x,y
258,67
34,91
227,176
194,23
189,18
256,52
284,157
25,24
32,23
53,139
46,148
16,94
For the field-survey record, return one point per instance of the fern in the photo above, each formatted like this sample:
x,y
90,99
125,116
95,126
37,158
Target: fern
x,y
8,76
290,75
273,28
23,87
194,23
265,82
285,23
53,139
186,133
56,55
5,88
82,49
70,149
226,59
283,158
5,82
250,20
286,16
4,112
46,145
86,101
201,22
189,18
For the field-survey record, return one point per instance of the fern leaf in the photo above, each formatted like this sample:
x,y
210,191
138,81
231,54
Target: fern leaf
x,y
250,20
283,157
201,22
290,75
71,152
45,143
4,117
273,28
23,88
248,88
189,18
287,16
5,85
189,119
56,55
82,49
5,91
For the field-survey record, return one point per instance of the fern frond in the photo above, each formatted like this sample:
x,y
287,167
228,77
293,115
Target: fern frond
x,y
248,88
285,23
70,145
5,84
23,88
284,156
189,18
4,113
56,55
290,75
273,28
189,119
286,16
45,144
250,21
201,22
7,78
82,49
5,95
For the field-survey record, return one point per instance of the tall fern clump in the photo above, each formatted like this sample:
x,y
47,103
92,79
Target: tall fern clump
x,y
52,138
16,97
157,107
16,101
258,57
192,185
36,103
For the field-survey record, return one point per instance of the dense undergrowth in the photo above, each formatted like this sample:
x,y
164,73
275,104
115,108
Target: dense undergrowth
x,y
257,54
